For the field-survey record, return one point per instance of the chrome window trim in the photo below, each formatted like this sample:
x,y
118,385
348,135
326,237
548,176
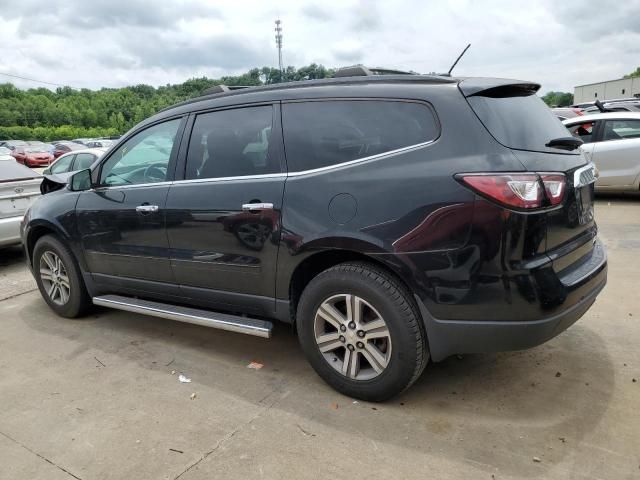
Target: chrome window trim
x,y
370,158
102,188
266,176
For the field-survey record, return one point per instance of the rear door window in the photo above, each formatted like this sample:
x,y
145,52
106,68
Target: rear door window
x,y
62,164
521,121
621,129
83,161
232,143
323,133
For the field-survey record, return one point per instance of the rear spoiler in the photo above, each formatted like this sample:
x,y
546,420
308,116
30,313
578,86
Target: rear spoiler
x,y
497,87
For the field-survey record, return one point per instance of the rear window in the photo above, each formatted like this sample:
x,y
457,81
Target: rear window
x,y
519,122
319,134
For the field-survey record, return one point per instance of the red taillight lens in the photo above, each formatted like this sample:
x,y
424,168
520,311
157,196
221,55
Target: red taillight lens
x,y
522,190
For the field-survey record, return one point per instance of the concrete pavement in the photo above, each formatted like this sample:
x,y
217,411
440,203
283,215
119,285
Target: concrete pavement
x,y
96,398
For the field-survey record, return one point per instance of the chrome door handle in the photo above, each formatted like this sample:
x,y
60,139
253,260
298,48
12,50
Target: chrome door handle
x,y
257,207
147,208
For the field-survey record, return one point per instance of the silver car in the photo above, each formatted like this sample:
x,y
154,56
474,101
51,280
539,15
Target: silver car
x,y
74,161
612,142
19,187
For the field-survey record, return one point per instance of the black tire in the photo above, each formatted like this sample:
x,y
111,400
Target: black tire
x,y
78,299
409,353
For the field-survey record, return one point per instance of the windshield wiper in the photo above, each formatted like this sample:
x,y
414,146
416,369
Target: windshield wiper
x,y
565,143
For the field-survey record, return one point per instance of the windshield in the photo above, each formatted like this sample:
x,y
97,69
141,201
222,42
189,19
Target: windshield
x,y
519,122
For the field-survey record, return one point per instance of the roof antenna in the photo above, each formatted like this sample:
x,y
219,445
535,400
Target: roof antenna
x,y
448,74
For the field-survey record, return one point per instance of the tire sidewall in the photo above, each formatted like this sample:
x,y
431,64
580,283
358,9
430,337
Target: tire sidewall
x,y
398,373
77,296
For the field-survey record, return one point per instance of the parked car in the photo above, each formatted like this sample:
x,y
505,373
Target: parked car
x,y
628,106
585,105
612,142
12,144
19,187
32,156
392,219
566,112
5,154
99,143
75,160
81,141
65,147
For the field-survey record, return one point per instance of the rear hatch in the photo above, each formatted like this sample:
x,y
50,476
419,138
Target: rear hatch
x,y
19,187
518,119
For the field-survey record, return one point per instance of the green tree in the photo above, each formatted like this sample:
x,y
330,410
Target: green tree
x,y
558,99
636,73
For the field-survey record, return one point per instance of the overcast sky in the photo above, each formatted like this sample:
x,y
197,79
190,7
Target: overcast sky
x,y
96,43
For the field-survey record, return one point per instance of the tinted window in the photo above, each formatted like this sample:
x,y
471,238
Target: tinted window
x,y
583,131
62,164
318,134
231,143
520,122
144,158
621,129
84,160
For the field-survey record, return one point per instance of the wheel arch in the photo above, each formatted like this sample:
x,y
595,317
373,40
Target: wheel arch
x,y
39,230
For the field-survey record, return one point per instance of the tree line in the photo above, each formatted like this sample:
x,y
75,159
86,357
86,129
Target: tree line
x,y
43,114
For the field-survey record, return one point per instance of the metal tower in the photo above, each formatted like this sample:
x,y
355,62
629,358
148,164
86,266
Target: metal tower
x,y
278,30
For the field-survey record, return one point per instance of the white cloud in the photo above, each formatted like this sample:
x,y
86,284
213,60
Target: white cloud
x,y
116,42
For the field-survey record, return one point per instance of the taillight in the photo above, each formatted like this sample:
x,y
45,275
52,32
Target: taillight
x,y
519,190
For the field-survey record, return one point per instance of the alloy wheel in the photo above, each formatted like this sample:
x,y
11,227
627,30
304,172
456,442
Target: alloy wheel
x,y
54,278
352,337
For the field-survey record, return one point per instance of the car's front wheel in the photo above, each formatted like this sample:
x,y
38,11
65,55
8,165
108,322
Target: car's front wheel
x,y
59,278
360,330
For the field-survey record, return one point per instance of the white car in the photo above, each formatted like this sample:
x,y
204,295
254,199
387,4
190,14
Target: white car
x,y
19,188
612,142
5,154
75,160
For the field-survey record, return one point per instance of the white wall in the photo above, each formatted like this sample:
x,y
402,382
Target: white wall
x,y
607,90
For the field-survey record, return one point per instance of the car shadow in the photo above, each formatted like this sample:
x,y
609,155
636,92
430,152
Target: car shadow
x,y
552,395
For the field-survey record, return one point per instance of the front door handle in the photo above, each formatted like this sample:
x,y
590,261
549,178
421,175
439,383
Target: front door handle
x,y
257,207
144,209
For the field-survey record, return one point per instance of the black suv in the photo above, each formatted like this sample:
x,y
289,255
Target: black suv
x,y
391,219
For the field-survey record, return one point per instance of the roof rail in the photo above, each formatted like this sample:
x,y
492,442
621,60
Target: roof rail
x,y
223,88
362,71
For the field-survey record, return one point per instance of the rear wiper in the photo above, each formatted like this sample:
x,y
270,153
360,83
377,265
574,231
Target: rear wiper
x,y
565,143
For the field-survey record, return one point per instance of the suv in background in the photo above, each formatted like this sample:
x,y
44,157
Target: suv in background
x,y
391,219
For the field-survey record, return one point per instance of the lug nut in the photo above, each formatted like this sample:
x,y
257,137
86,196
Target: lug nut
x,y
352,325
350,347
343,328
361,333
360,345
342,339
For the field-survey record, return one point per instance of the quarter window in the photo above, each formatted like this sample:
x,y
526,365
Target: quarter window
x,y
621,129
232,143
144,158
319,134
583,130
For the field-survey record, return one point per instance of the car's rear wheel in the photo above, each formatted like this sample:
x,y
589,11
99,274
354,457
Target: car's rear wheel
x,y
359,329
58,277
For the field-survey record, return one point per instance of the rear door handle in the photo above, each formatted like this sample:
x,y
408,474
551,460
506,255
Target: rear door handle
x,y
147,208
257,207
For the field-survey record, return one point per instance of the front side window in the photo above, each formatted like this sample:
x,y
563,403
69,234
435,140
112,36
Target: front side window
x,y
583,130
319,134
231,143
621,129
84,160
62,164
144,158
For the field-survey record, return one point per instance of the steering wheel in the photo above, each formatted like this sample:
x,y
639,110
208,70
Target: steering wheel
x,y
156,172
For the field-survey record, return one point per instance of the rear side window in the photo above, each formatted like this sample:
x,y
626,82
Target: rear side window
x,y
232,143
84,160
520,122
319,134
583,131
62,164
621,129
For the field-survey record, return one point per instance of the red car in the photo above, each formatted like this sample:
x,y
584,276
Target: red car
x,y
32,156
66,147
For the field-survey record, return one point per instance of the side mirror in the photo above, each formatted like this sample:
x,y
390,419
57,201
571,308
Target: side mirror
x,y
80,181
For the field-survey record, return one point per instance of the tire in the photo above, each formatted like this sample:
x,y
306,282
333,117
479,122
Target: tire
x,y
77,300
400,353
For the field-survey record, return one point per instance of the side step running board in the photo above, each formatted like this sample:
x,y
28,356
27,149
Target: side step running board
x,y
223,321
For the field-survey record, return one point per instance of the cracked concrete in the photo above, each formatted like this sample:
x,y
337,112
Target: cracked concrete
x,y
96,398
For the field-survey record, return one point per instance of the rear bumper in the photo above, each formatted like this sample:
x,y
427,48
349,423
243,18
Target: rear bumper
x,y
582,285
10,231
